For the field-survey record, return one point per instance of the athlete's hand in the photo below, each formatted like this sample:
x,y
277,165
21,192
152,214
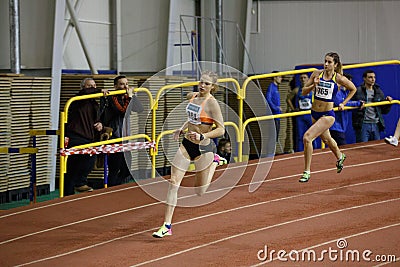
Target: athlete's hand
x,y
177,133
193,136
316,81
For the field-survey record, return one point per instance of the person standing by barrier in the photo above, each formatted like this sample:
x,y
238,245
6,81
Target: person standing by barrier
x,y
325,84
203,111
339,127
303,122
224,150
84,127
113,112
368,122
394,140
290,145
273,99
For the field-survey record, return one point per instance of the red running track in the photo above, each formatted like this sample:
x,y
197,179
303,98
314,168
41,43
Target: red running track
x,y
328,221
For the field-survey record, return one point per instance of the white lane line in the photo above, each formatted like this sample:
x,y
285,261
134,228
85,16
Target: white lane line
x,y
73,200
265,228
210,215
151,183
77,222
329,169
334,240
158,202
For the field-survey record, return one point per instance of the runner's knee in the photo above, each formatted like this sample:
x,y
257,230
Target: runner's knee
x,y
326,140
200,190
307,139
172,195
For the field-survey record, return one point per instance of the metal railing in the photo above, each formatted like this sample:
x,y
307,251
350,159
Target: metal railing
x,y
64,120
240,127
26,150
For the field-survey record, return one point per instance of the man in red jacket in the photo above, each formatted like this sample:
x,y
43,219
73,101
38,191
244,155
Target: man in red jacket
x,y
114,109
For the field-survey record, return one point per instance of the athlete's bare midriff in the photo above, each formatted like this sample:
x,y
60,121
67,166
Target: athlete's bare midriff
x,y
201,128
321,106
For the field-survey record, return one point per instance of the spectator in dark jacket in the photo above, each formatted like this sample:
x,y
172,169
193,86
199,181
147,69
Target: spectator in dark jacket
x,y
115,110
83,127
368,122
224,149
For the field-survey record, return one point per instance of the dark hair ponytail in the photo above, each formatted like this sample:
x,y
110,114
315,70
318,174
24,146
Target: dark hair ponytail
x,y
336,59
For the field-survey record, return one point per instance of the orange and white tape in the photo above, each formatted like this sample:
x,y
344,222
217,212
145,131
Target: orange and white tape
x,y
113,148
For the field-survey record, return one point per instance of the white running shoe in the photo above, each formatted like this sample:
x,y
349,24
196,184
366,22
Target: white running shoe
x,y
392,140
163,231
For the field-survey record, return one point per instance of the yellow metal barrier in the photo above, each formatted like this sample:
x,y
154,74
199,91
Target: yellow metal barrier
x,y
43,132
26,150
370,64
110,141
155,107
97,95
64,120
293,114
33,134
114,140
242,126
243,96
162,134
18,150
188,84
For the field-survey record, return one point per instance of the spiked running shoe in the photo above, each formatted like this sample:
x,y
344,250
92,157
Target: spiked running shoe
x,y
219,160
163,231
339,163
392,140
305,177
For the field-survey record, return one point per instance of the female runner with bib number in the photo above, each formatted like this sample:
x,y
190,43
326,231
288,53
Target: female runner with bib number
x,y
325,83
203,112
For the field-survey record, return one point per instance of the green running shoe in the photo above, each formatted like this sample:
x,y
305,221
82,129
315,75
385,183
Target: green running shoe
x,y
163,231
339,163
305,177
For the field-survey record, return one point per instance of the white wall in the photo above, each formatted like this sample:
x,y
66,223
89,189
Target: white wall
x,y
177,8
235,10
95,25
291,33
5,40
144,35
36,33
234,16
302,32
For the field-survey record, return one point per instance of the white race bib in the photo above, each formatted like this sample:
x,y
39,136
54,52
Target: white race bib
x,y
193,112
324,90
305,103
